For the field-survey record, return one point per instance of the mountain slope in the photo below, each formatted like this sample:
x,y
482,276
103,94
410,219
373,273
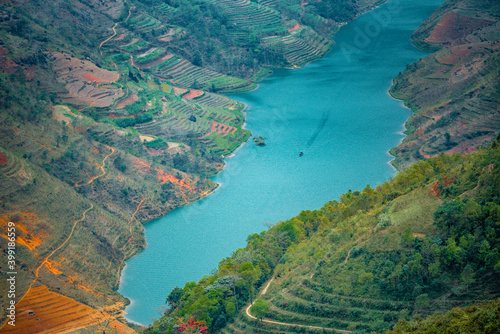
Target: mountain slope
x,y
453,92
110,117
426,241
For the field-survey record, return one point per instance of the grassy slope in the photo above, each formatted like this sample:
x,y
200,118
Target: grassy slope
x,y
454,91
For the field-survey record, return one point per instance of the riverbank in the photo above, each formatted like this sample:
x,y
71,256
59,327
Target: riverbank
x,y
321,117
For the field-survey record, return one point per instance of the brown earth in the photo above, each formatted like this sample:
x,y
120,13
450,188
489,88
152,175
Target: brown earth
x,y
193,93
127,101
453,27
25,235
82,79
44,311
453,92
3,159
179,91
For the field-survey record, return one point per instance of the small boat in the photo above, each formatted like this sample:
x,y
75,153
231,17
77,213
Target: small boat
x,y
301,154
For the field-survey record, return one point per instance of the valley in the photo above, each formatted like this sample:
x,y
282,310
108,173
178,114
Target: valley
x,y
113,115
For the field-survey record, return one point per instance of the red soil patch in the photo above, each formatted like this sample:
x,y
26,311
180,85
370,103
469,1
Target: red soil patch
x,y
193,93
295,27
453,27
120,37
3,159
26,236
166,39
129,100
221,129
163,177
91,77
436,188
179,91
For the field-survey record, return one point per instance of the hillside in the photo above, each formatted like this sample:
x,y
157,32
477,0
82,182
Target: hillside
x,y
426,241
111,116
453,92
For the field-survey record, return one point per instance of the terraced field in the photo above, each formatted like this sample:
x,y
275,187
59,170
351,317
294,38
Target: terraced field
x,y
184,73
301,46
36,314
247,15
144,23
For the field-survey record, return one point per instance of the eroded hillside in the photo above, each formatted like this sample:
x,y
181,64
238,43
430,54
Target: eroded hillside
x,y
454,92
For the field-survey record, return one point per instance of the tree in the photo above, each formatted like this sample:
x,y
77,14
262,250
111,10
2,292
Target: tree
x,y
467,276
174,297
259,308
192,327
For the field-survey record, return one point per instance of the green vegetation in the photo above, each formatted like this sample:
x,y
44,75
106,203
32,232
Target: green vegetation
x,y
426,241
478,318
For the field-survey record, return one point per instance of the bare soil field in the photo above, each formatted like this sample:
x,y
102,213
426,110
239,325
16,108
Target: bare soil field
x,y
193,93
127,101
83,79
44,311
453,27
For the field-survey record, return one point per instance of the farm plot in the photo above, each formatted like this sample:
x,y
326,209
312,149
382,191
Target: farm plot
x,y
217,101
301,46
247,15
149,57
144,23
13,173
83,80
453,27
44,311
185,74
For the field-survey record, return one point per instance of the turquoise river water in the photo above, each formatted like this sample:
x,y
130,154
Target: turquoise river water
x,y
336,111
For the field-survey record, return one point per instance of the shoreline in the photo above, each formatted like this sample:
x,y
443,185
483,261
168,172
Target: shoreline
x,y
233,154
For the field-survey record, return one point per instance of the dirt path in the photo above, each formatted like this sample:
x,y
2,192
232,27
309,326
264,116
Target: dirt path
x,y
247,311
37,271
101,167
348,254
114,34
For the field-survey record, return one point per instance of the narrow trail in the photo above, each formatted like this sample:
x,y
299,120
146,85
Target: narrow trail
x,y
348,254
247,311
37,271
114,34
101,167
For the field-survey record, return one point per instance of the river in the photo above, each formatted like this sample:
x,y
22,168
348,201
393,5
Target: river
x,y
336,111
